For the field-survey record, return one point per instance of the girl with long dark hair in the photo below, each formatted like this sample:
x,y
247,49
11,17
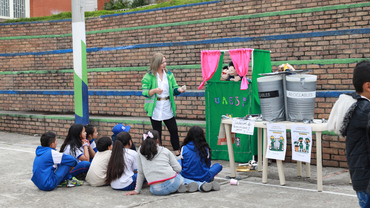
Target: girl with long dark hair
x,y
78,146
122,164
196,160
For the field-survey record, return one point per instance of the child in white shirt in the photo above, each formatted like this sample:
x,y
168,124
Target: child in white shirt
x,y
121,172
98,169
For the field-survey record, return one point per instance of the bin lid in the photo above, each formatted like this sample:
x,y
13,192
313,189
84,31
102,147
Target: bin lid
x,y
270,78
298,77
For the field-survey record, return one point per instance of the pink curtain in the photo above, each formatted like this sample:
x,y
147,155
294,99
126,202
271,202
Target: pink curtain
x,y
241,58
209,61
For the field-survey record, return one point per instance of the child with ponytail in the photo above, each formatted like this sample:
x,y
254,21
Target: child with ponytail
x,y
160,168
123,162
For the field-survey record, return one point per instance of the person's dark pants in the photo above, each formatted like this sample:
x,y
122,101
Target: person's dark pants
x,y
172,128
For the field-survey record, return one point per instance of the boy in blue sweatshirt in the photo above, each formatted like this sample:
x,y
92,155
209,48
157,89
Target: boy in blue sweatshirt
x,y
51,167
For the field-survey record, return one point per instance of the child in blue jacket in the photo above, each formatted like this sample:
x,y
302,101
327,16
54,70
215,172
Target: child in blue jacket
x,y
196,160
50,167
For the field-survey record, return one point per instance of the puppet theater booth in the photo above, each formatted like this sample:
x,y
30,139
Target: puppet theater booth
x,y
237,99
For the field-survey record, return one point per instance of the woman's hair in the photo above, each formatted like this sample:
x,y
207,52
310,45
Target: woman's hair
x,y
89,130
47,139
103,143
116,164
73,138
196,135
149,146
156,62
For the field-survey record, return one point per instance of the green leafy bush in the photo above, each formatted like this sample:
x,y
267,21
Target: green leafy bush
x,y
138,3
115,5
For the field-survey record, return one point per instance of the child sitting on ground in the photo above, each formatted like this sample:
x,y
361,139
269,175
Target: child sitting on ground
x,y
121,128
50,167
79,147
98,169
160,168
92,135
121,166
196,161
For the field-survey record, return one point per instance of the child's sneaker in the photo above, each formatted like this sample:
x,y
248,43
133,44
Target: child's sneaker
x,y
205,187
74,182
182,188
215,186
191,187
71,183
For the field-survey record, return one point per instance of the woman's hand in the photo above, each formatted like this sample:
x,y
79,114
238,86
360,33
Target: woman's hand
x,y
131,193
156,90
182,89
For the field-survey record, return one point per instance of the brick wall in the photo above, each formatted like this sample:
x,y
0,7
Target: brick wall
x,y
327,37
186,107
39,124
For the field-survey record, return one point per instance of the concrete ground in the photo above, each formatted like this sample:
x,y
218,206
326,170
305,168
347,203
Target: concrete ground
x,y
17,190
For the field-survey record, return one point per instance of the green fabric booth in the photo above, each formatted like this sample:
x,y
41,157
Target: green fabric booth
x,y
225,97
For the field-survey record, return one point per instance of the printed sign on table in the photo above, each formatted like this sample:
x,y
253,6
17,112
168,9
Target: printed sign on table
x,y
301,143
276,141
242,126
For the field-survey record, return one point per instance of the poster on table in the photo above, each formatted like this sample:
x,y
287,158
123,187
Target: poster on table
x,y
301,143
276,141
242,126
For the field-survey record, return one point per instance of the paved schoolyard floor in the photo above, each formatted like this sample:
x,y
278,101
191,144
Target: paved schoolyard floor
x,y
17,190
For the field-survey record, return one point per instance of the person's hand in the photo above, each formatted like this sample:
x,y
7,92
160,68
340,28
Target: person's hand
x,y
158,90
182,89
131,193
85,142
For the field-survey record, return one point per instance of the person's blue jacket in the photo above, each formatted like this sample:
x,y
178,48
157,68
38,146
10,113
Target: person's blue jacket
x,y
46,161
192,167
